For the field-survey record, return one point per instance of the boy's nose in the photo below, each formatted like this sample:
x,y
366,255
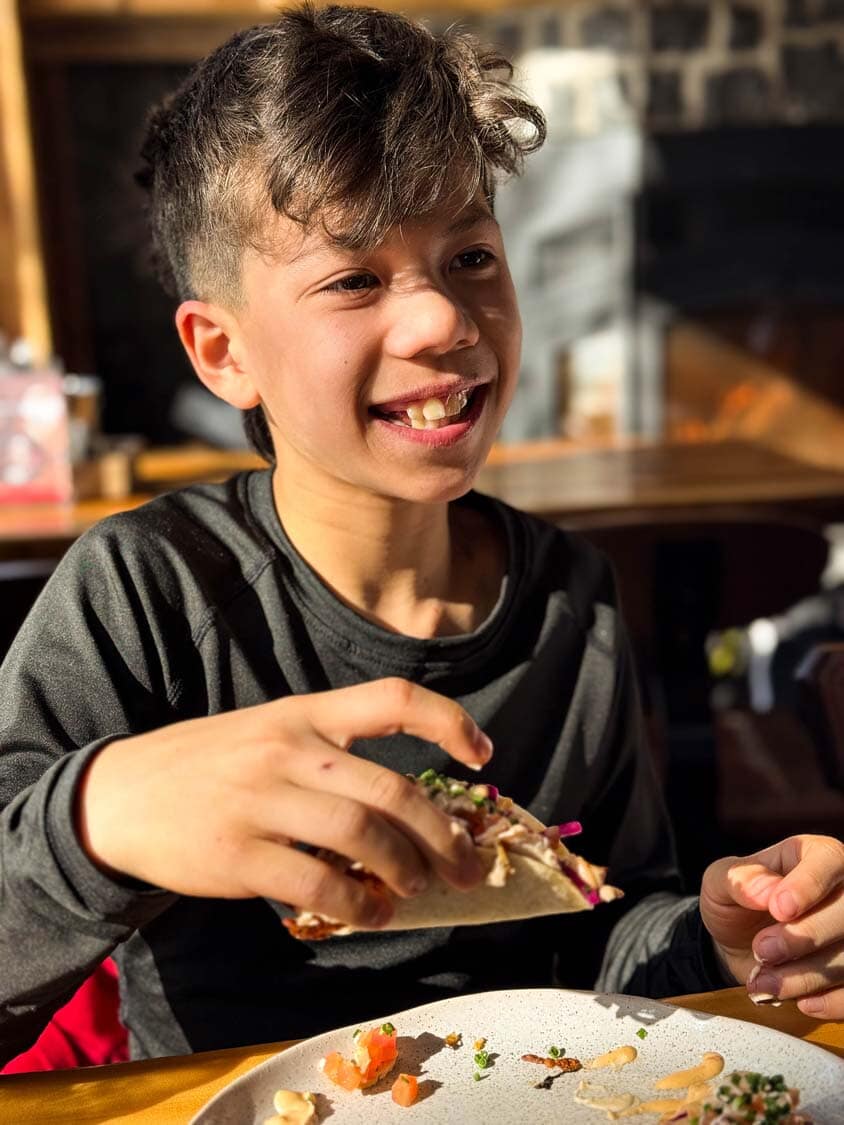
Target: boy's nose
x,y
431,321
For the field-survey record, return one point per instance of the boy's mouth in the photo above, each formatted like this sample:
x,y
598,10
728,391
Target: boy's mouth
x,y
431,413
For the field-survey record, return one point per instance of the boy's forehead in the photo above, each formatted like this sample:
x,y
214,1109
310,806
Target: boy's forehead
x,y
296,244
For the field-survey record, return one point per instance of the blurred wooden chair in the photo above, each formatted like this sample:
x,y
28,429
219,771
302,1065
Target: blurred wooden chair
x,y
782,772
821,682
771,780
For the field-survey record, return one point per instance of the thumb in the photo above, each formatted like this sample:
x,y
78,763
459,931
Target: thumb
x,y
734,905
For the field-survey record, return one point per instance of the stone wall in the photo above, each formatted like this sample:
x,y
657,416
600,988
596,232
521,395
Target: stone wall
x,y
691,64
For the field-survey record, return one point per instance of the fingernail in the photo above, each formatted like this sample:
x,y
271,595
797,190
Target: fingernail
x,y
763,998
483,744
787,904
812,1005
762,986
770,950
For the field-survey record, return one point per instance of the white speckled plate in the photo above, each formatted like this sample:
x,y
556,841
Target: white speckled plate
x,y
584,1024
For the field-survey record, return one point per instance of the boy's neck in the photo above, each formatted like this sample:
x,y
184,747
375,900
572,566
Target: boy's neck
x,y
423,570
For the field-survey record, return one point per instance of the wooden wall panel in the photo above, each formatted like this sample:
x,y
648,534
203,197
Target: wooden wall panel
x,y
23,305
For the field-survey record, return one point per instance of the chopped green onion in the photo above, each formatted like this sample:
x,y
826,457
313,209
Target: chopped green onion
x,y
642,1033
356,1033
482,1059
554,1052
427,776
478,1076
387,1029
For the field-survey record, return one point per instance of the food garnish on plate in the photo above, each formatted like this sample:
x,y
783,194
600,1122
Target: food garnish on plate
x,y
405,1090
741,1098
529,870
374,1055
747,1098
709,1067
596,1096
555,1062
614,1059
293,1107
693,1080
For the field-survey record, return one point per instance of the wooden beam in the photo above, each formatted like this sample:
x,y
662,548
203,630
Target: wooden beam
x,y
23,297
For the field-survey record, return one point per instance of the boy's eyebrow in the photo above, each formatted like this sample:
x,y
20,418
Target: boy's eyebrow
x,y
471,217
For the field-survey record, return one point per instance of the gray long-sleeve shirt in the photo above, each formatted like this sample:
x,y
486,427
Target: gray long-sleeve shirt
x,y
197,603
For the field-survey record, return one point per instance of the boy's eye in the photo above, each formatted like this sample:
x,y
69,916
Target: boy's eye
x,y
354,283
473,259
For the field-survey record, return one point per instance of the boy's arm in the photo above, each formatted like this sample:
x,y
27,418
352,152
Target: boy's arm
x,y
60,917
209,806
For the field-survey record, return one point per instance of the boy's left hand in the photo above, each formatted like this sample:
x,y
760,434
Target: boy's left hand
x,y
781,911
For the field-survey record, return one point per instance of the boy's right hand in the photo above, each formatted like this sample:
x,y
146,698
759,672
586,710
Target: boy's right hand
x,y
213,806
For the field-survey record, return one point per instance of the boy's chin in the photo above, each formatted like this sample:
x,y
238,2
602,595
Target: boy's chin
x,y
439,488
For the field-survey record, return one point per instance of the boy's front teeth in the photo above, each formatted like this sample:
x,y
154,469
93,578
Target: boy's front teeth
x,y
426,415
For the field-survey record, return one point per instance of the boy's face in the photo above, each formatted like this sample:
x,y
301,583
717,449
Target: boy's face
x,y
357,355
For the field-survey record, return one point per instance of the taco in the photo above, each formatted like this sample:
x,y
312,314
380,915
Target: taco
x,y
529,870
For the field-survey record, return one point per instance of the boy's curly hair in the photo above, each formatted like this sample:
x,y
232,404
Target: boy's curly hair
x,y
354,118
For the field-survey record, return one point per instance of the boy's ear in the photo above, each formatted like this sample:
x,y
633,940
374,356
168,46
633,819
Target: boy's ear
x,y
209,334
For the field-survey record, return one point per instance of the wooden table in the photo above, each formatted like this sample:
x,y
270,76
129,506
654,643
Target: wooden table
x,y
39,530
558,480
169,1091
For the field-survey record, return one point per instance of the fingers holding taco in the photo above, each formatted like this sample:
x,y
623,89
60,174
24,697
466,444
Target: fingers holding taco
x,y
528,870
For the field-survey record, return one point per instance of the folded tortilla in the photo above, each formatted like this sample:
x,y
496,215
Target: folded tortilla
x,y
515,886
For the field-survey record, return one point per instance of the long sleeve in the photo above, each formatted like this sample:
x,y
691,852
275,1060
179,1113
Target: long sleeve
x,y
661,948
81,672
59,916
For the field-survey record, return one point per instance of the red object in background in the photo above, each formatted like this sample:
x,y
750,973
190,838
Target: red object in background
x,y
85,1032
34,438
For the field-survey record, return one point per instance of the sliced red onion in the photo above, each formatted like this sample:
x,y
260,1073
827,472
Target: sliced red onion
x,y
589,893
570,828
492,791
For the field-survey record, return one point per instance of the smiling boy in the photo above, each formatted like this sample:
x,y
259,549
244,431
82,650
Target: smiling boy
x,y
179,708
386,397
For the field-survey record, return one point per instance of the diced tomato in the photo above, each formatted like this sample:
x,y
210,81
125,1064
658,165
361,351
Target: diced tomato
x,y
341,1071
375,1053
405,1090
